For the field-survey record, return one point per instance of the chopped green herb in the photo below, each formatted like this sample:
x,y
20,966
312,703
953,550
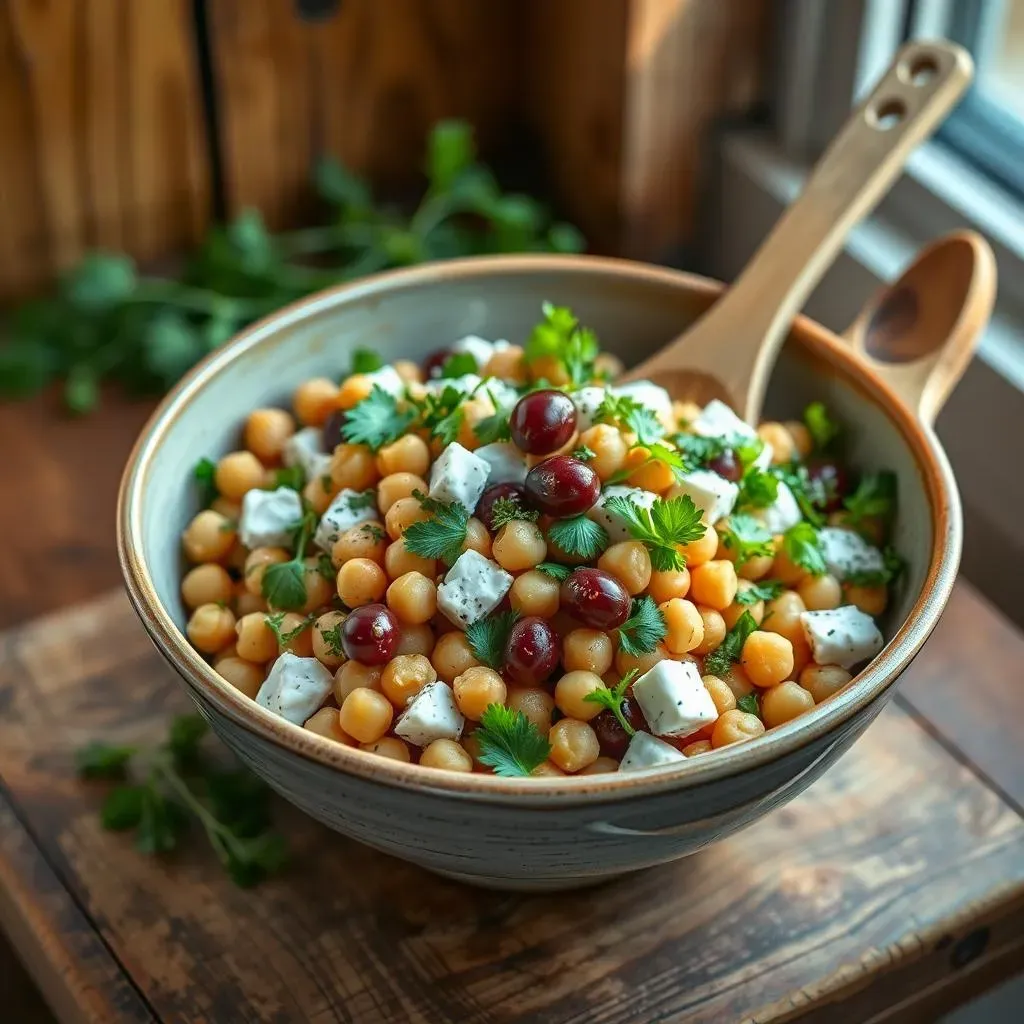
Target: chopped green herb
x,y
749,704
612,699
361,500
893,568
698,451
578,537
809,493
488,637
875,497
803,548
554,570
377,420
583,453
365,360
326,483
629,414
495,427
747,537
656,452
284,639
765,590
442,414
441,536
292,477
560,335
663,528
758,489
720,660
644,629
204,472
458,365
325,567
332,637
823,429
510,743
103,761
505,510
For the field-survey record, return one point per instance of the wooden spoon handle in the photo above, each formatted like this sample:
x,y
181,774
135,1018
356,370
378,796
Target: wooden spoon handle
x,y
750,322
920,333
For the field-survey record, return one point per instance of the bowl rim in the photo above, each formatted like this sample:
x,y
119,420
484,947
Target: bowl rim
x,y
560,791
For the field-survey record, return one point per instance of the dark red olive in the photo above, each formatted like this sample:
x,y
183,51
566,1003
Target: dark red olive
x,y
331,432
562,486
485,506
832,481
531,652
612,738
542,421
370,635
596,598
434,363
727,465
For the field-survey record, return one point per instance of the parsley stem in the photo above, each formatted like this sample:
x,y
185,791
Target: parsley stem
x,y
219,835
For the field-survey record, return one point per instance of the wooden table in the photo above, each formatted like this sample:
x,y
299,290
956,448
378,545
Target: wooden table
x,y
892,890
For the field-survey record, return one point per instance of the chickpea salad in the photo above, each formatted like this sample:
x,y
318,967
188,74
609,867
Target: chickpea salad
x,y
500,561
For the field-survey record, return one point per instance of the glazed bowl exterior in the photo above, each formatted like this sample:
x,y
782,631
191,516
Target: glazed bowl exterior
x,y
545,833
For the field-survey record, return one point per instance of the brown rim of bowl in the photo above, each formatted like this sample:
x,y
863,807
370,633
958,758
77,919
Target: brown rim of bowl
x,y
550,792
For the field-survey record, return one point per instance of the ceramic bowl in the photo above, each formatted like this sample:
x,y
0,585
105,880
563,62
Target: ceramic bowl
x,y
548,833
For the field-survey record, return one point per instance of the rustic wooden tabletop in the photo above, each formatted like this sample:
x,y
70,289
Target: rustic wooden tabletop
x,y
892,890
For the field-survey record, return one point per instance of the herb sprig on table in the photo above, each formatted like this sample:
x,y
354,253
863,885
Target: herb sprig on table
x,y
109,322
161,791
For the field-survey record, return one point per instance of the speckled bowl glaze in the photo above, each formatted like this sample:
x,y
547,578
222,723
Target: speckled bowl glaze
x,y
548,833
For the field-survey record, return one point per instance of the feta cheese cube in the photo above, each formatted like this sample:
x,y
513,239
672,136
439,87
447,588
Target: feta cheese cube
x,y
674,699
507,463
268,517
431,715
648,394
472,589
842,636
305,448
587,402
295,687
498,394
479,348
782,513
716,419
466,383
711,493
459,475
644,751
349,508
847,552
387,379
613,523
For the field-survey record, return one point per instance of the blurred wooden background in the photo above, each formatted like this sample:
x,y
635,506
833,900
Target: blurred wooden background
x,y
130,125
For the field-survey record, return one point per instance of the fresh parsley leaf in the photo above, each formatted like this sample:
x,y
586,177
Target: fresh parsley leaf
x,y
765,590
161,822
361,500
325,567
612,699
655,452
284,583
204,472
332,637
554,570
442,414
510,743
698,451
578,537
103,761
892,569
749,704
875,497
377,420
663,528
644,629
583,453
488,637
458,365
628,414
803,548
505,510
365,360
122,809
747,450
275,620
747,537
441,536
823,429
720,660
809,493
293,477
560,335
494,427
758,489
184,737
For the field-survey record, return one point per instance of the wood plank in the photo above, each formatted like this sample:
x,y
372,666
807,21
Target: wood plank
x,y
870,887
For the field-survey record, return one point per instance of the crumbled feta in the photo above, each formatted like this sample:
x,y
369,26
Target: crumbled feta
x,y
431,715
613,523
716,419
268,517
841,636
499,394
388,379
295,687
349,508
711,493
459,475
466,383
782,513
674,699
645,751
587,402
507,463
647,394
763,459
473,588
846,552
305,448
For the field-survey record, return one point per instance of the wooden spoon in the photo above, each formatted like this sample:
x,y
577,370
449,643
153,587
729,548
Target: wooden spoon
x,y
729,353
919,334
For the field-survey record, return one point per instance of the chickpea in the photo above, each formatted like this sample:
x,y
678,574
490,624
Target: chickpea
x,y
548,368
412,597
782,616
314,400
208,584
452,656
536,704
784,569
398,560
326,639
398,485
870,600
446,754
546,770
641,662
571,692
573,745
587,650
630,563
668,584
535,593
402,514
609,448
735,727
237,473
648,475
360,582
801,658
685,625
409,454
366,714
300,635
519,545
354,675
736,678
256,563
241,674
477,538
714,630
822,681
319,493
756,568
353,390
477,689
714,584
388,746
265,433
474,411
507,364
721,694
208,538
700,551
318,587
210,627
767,658
325,723
820,593
230,651
732,614
408,371
780,439
353,466
801,437
404,676
246,603
685,413
601,766
783,703
367,540
608,365
697,747
227,507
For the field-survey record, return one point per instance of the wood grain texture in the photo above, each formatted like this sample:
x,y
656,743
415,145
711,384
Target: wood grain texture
x,y
892,875
101,117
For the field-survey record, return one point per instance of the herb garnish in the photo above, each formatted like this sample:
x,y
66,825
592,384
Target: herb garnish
x,y
442,536
758,489
274,622
510,743
284,583
810,494
204,472
554,570
663,528
488,637
292,477
749,704
332,637
875,497
459,365
894,567
578,537
720,660
654,452
377,420
803,548
505,510
365,360
765,590
583,453
612,699
560,335
644,629
823,429
442,414
629,414
747,537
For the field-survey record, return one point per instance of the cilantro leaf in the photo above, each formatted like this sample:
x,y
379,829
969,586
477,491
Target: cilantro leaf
x,y
204,472
644,629
505,510
510,743
554,570
441,536
663,528
612,699
559,335
766,590
332,637
583,453
377,420
823,429
284,583
749,704
458,365
803,548
442,414
758,489
720,660
656,452
103,761
578,537
292,477
365,360
488,637
494,427
747,536
275,621
875,497
628,414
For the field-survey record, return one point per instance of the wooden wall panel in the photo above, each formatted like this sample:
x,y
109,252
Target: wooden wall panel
x,y
101,125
